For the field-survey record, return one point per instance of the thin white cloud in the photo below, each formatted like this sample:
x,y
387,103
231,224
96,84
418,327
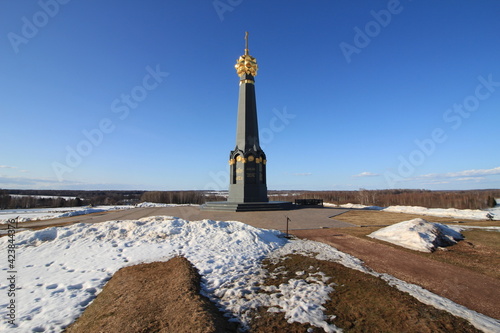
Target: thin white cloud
x,y
9,182
7,167
302,174
470,179
367,174
465,173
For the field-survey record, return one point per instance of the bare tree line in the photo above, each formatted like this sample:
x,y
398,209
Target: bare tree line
x,y
472,199
24,199
179,197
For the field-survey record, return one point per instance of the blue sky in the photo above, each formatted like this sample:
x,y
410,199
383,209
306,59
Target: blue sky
x,y
350,94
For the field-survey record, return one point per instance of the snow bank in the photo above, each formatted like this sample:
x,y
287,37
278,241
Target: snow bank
x,y
60,270
353,206
154,204
419,235
468,214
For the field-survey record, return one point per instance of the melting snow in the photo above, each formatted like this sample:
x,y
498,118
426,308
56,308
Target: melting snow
x,y
419,235
61,270
468,214
52,213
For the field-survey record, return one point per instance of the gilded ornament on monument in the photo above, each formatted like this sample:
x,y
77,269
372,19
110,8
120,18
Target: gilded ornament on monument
x,y
246,64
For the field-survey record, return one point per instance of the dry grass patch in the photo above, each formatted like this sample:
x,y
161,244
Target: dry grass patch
x,y
360,302
154,297
480,252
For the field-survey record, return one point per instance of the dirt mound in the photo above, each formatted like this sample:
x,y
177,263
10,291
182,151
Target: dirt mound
x,y
154,297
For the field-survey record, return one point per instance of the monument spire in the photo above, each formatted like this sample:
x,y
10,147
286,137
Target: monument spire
x,y
246,43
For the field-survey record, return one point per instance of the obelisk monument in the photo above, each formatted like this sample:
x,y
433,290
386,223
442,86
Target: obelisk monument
x,y
247,174
247,162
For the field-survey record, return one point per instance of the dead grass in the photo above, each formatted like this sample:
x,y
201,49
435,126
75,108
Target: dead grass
x,y
154,297
480,251
360,302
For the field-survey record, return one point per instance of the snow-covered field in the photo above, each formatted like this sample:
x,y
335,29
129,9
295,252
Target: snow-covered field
x,y
59,271
35,214
466,214
52,213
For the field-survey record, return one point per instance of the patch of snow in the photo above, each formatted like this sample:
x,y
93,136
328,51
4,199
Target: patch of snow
x,y
42,196
61,270
475,227
468,214
353,206
35,214
154,204
301,301
418,234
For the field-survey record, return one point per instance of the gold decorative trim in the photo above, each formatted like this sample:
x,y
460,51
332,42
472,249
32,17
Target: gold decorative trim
x,y
247,81
232,161
264,162
251,158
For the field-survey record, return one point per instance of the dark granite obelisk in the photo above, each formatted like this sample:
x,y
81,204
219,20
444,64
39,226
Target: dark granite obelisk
x,y
247,162
247,175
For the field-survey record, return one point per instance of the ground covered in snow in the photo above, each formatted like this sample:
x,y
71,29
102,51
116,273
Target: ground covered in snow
x,y
61,270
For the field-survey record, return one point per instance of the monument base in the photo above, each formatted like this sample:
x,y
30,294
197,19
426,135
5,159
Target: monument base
x,y
247,206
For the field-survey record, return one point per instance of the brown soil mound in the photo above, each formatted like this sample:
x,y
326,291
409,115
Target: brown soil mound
x,y
154,297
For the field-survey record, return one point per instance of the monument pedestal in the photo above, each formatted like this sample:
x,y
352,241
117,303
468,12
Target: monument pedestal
x,y
247,206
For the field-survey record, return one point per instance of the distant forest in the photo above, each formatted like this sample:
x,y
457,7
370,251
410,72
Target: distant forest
x,y
472,199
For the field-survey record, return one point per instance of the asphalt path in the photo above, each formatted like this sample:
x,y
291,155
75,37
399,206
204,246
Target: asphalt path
x,y
301,218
